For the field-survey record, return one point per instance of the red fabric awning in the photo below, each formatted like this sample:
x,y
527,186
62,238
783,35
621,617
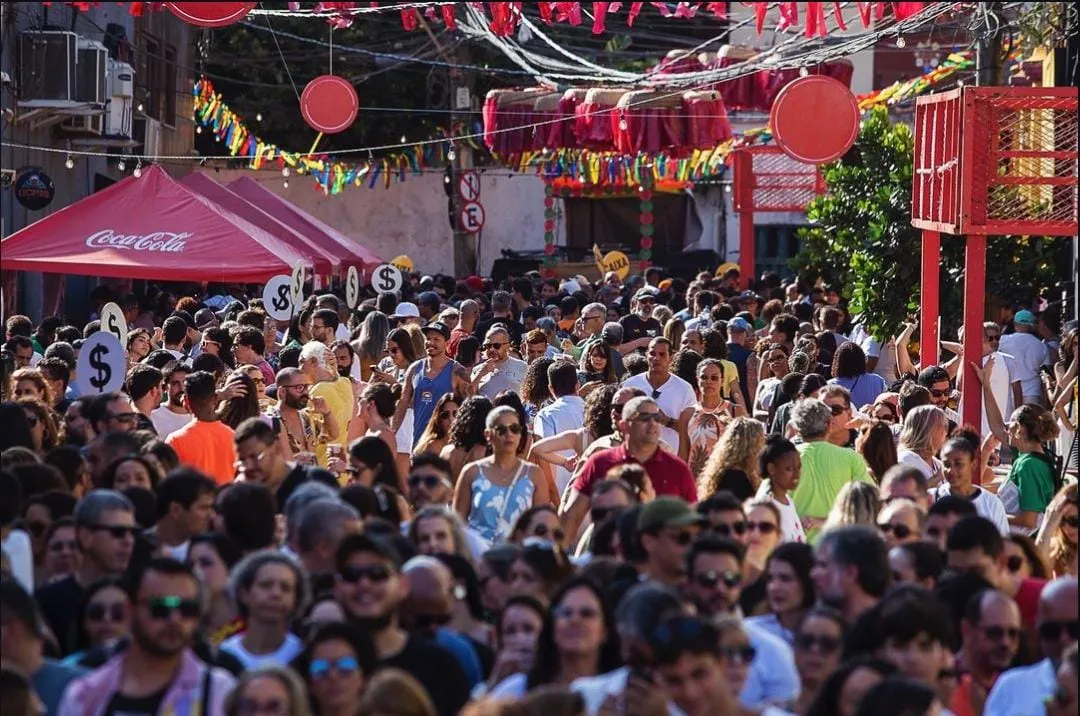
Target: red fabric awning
x,y
326,264
327,237
149,227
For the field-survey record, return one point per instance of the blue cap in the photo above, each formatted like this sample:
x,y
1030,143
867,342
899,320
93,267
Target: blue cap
x,y
738,324
1025,317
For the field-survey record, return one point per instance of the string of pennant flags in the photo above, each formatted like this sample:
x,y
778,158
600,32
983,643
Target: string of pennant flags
x,y
332,176
567,166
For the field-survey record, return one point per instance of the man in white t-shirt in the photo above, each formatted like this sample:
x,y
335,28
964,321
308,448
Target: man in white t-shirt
x,y
673,395
173,415
1005,387
1029,354
566,412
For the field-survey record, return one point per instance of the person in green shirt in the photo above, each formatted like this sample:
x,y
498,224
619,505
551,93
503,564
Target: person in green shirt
x,y
826,468
1029,430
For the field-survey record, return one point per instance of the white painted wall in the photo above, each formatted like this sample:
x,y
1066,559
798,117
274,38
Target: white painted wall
x,y
411,216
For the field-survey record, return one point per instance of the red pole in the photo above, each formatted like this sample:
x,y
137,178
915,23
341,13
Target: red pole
x,y
931,292
974,304
746,247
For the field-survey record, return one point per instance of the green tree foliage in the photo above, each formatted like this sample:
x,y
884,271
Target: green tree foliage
x,y
861,239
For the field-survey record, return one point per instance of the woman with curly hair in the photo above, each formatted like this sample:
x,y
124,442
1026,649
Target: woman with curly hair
x,y
42,424
733,464
467,442
139,345
535,393
437,432
30,383
598,423
1057,536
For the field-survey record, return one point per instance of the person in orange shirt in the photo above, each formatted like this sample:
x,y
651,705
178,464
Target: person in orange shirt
x,y
205,443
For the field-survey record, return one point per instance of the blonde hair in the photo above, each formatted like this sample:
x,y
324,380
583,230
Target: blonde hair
x,y
737,449
393,691
857,503
417,338
919,426
674,330
900,506
294,686
1051,538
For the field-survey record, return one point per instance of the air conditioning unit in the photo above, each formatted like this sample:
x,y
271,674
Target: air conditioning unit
x,y
47,65
91,59
120,88
147,132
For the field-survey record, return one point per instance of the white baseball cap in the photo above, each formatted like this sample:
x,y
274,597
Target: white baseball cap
x,y
406,310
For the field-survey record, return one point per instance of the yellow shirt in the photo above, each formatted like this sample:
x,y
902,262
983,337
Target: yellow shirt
x,y
339,398
731,378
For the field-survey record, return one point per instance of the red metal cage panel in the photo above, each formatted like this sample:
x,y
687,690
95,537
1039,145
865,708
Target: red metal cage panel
x,y
767,179
996,160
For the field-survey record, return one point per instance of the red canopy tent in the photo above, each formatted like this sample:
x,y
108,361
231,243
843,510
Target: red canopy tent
x,y
149,227
325,263
327,237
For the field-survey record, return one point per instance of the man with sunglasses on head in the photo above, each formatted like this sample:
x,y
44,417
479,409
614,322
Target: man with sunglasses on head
x,y
105,530
1024,691
158,672
639,424
714,569
991,630
370,588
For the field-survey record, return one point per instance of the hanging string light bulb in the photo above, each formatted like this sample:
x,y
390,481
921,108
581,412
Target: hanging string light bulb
x,y
900,41
69,162
121,166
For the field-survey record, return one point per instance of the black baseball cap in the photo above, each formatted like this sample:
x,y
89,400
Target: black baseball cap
x,y
438,327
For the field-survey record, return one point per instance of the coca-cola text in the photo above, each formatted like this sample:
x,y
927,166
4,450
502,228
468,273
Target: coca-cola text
x,y
164,241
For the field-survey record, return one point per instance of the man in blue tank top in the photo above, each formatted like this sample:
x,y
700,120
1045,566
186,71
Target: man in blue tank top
x,y
429,379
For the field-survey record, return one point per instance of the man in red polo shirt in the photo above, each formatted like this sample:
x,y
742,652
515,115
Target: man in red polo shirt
x,y
640,426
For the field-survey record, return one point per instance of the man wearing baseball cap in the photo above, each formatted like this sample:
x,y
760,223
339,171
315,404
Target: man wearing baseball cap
x,y
428,380
738,331
639,327
1030,354
666,528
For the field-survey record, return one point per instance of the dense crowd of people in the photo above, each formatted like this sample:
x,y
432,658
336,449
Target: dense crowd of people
x,y
645,496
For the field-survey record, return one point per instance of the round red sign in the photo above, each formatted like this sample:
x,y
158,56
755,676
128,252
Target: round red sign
x,y
329,104
210,14
815,119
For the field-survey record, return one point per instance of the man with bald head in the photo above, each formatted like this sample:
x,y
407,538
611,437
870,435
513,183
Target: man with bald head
x,y
1023,691
469,312
500,371
991,628
428,610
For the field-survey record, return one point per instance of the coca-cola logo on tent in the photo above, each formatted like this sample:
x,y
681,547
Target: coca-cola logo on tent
x,y
169,242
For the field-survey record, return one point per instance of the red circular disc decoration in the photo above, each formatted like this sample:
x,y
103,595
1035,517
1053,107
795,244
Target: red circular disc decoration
x,y
329,104
210,14
815,119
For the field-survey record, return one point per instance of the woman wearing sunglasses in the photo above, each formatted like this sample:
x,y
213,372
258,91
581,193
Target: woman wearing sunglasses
x,y
105,619
494,491
335,665
578,640
540,521
437,433
819,644
762,536
774,366
736,652
1057,536
42,424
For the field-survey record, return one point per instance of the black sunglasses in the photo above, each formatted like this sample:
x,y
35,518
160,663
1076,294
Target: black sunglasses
x,y
163,607
1072,521
116,531
1014,563
599,514
741,654
1051,631
824,644
375,573
542,531
723,530
837,409
711,578
901,531
502,430
428,481
98,612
